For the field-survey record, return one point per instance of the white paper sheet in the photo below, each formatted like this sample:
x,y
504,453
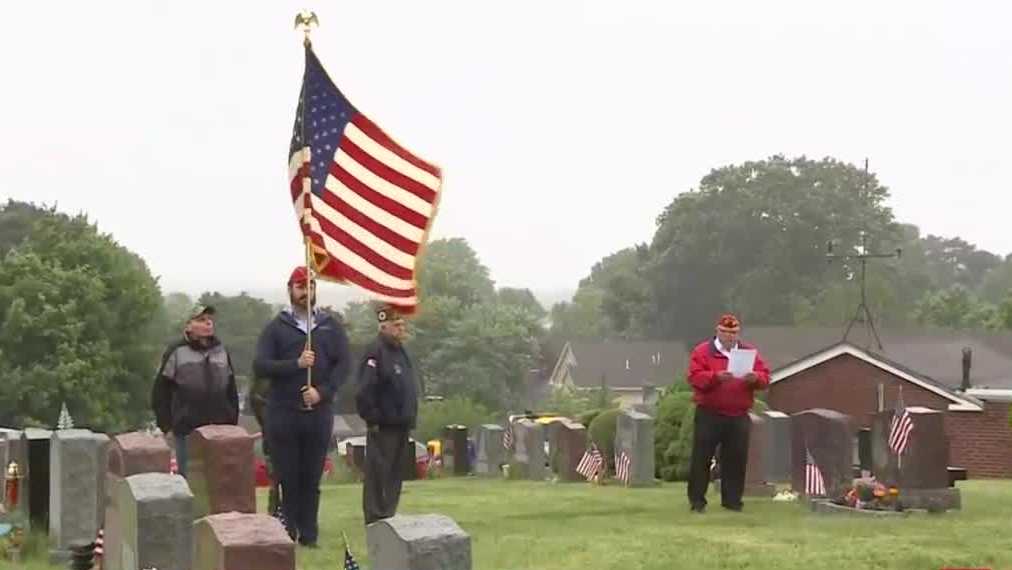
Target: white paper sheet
x,y
741,362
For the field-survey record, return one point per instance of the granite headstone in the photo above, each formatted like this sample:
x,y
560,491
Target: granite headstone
x,y
828,436
756,484
419,542
242,541
528,461
921,473
221,470
78,462
36,443
454,448
777,460
491,453
567,444
129,454
634,436
155,512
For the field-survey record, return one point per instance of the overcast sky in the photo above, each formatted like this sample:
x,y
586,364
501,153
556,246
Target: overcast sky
x,y
563,127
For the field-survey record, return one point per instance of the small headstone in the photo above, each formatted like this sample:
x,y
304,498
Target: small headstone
x,y
77,488
568,442
528,460
156,522
221,471
634,435
828,436
491,453
138,452
777,459
242,541
756,484
454,449
421,542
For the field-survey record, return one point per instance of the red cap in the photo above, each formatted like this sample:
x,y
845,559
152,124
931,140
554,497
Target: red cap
x,y
729,323
299,275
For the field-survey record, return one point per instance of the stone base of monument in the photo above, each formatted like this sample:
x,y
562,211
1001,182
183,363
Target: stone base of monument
x,y
932,500
421,542
238,541
825,506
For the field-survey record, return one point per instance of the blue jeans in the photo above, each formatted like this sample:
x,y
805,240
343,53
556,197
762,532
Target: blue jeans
x,y
181,454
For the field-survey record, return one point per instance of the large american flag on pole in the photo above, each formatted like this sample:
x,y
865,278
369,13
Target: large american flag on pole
x,y
364,202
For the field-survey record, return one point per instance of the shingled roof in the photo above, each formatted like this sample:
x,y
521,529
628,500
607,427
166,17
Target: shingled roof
x,y
624,364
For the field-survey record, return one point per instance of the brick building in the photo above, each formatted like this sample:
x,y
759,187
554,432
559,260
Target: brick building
x,y
858,382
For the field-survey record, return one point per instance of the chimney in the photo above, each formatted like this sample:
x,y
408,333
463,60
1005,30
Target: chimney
x,y
967,362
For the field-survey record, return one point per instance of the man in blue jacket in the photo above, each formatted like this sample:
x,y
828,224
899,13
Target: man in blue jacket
x,y
300,419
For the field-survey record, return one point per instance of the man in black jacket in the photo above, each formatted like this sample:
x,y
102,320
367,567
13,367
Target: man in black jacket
x,y
300,419
195,385
388,402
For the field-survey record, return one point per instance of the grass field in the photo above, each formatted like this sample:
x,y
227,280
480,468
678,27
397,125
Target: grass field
x,y
526,526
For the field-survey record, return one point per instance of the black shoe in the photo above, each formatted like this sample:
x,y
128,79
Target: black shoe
x,y
700,509
735,508
308,544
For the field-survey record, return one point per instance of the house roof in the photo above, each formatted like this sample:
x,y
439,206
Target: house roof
x,y
624,364
957,401
935,354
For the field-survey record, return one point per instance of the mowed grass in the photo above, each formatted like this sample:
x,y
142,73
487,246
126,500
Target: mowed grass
x,y
525,526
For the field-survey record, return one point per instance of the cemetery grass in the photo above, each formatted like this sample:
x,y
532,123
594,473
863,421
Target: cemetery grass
x,y
518,525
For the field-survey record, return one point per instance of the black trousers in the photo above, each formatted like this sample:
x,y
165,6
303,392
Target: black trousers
x,y
385,454
299,442
731,434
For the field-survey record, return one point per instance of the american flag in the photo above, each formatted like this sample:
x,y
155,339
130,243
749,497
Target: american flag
x,y
623,465
591,463
364,202
349,560
899,431
507,436
99,546
815,485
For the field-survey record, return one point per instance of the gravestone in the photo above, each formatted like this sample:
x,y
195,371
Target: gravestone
x,y
454,449
777,459
528,461
355,454
242,541
921,474
420,542
155,518
129,454
78,462
634,435
220,471
828,436
35,485
864,450
491,453
567,443
756,484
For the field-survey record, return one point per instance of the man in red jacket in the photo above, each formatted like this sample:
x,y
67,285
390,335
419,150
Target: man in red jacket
x,y
722,405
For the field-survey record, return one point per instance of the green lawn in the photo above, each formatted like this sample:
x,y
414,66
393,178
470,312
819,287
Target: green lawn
x,y
525,526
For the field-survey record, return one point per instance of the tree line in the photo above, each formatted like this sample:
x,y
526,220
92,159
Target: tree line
x,y
84,321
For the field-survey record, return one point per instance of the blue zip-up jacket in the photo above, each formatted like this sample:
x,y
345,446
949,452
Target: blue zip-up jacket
x,y
277,358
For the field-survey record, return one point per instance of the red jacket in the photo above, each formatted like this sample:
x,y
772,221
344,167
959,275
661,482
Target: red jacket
x,y
732,397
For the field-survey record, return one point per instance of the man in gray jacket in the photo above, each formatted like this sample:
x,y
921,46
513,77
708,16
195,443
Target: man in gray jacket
x,y
195,385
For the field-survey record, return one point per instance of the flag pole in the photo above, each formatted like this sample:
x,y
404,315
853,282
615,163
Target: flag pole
x,y
307,20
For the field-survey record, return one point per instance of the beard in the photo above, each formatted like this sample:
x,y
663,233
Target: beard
x,y
300,300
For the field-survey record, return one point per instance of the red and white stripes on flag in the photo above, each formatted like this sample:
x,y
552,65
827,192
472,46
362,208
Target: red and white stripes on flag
x,y
99,545
815,485
363,201
623,464
899,432
591,463
507,435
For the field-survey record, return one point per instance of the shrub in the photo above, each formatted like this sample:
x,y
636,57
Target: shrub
x,y
602,433
434,416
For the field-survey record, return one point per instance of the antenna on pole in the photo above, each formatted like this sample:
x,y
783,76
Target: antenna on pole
x,y
862,256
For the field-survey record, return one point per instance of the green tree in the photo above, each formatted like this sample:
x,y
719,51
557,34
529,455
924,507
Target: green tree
x,y
581,318
522,298
81,320
450,268
997,284
955,308
177,309
752,239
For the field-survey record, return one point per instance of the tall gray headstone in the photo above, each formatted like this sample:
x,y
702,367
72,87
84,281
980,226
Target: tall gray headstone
x,y
634,436
529,450
156,522
777,459
420,542
78,461
491,453
567,443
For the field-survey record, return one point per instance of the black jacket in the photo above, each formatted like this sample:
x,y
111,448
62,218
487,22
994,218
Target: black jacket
x,y
277,358
195,386
388,390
